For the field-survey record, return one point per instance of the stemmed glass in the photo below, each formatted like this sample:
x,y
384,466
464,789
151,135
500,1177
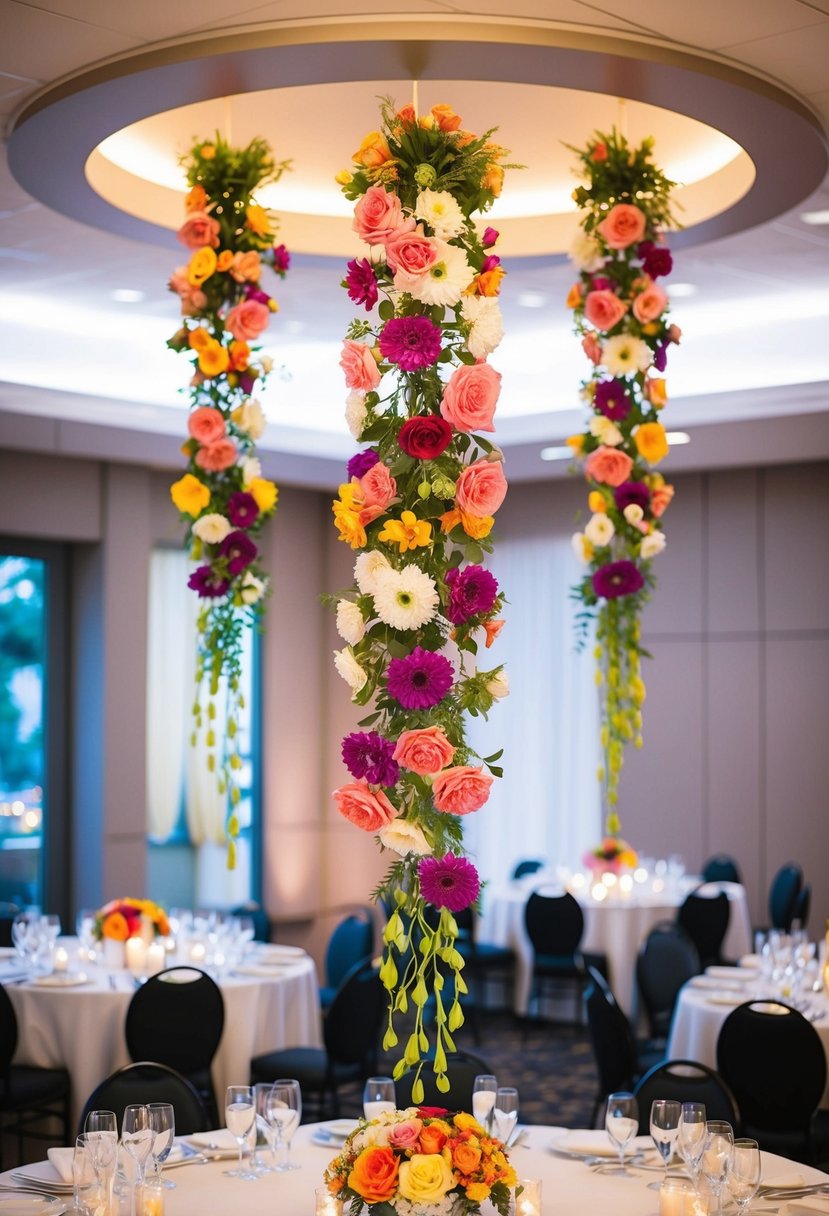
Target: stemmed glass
x,y
262,1092
137,1140
621,1123
85,1177
240,1116
286,1111
664,1128
744,1173
716,1156
484,1089
378,1097
163,1123
690,1140
504,1113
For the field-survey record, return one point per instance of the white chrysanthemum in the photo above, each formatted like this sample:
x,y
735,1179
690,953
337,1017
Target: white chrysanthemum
x,y
585,253
350,670
356,412
483,313
633,513
653,544
253,588
404,837
605,430
599,529
438,209
350,624
251,469
405,599
581,547
212,529
622,355
367,567
445,280
498,684
250,418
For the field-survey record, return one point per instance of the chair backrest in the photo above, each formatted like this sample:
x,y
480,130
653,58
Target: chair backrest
x,y
528,866
614,1047
555,923
667,960
8,911
148,1082
686,1081
8,1032
462,1067
705,919
783,893
349,944
802,906
176,1018
721,868
352,1025
774,1061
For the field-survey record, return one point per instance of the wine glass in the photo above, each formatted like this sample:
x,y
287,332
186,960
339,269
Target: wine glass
x,y
690,1141
84,1176
378,1097
85,931
504,1113
286,1111
240,1116
716,1156
744,1173
163,1123
664,1127
262,1092
621,1123
484,1089
101,1131
137,1140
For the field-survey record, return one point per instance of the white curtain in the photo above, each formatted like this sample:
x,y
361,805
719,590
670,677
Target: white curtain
x,y
548,803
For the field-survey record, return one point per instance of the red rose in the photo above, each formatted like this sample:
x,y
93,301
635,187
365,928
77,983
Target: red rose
x,y
425,436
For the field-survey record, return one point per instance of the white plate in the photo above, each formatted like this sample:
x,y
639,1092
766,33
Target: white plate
x,y
43,1174
62,979
278,953
725,998
729,973
22,1203
334,1133
262,971
216,1144
579,1144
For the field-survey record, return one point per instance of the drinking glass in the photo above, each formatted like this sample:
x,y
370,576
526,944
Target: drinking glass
x,y
716,1156
51,926
690,1141
85,931
137,1140
85,1195
378,1097
262,1092
163,1123
744,1173
286,1111
621,1123
484,1088
504,1113
240,1116
664,1128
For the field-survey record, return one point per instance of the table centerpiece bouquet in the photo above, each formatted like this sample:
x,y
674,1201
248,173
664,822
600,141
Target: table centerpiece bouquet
x,y
610,856
124,918
423,1161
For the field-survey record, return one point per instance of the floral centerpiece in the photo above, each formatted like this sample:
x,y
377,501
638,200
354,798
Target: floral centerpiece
x,y
223,497
418,507
620,311
421,1162
611,856
124,918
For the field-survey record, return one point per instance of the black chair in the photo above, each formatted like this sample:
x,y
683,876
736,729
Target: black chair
x,y
773,1060
177,1018
705,919
667,959
28,1095
619,1061
528,866
8,912
462,1067
721,868
350,943
555,924
486,965
350,1031
686,1081
783,892
802,906
147,1082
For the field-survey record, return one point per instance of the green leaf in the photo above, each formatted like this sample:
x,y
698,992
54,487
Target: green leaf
x,y
386,310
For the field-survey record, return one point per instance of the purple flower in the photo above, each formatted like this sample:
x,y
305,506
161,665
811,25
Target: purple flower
x,y
449,882
281,259
209,585
361,282
660,356
490,262
242,509
246,383
369,755
239,550
471,592
360,464
600,283
635,492
616,579
611,399
255,293
656,259
490,237
410,342
420,680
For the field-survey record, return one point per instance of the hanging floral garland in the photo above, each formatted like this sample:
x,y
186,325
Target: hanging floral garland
x,y
418,506
620,312
223,497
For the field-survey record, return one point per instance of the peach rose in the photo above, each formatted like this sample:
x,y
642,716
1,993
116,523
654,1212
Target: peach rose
x,y
377,215
623,225
247,320
206,424
373,151
466,1157
411,252
424,751
405,1135
470,397
216,457
650,304
377,487
481,488
461,790
603,309
246,267
446,118
661,499
608,465
364,807
199,229
592,347
433,1137
359,366
374,1174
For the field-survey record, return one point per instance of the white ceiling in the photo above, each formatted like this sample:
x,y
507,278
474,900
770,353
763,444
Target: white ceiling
x,y
81,372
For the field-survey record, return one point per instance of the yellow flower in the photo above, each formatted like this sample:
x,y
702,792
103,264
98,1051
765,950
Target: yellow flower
x,y
343,177
190,495
201,266
264,492
477,1192
213,359
657,392
199,338
573,296
256,218
651,442
425,1178
373,151
225,260
477,526
469,1123
195,199
576,442
408,532
207,151
348,524
596,502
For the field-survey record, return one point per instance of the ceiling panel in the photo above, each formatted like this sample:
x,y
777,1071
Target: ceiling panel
x,y
799,57
43,45
712,24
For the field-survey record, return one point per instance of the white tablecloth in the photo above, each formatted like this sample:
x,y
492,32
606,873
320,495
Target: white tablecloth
x,y
82,1028
615,927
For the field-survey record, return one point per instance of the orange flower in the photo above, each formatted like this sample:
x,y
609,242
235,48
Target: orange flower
x,y
661,499
576,442
477,526
374,1174
492,628
201,266
407,116
656,392
213,359
433,1137
116,927
466,1157
239,356
489,283
446,118
651,442
449,520
574,296
598,152
493,180
478,1192
224,261
195,199
596,502
373,151
199,338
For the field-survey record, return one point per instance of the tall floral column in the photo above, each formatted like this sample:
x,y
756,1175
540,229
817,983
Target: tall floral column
x,y
223,498
417,507
621,314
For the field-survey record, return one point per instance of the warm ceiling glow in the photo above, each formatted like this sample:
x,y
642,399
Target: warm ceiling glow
x,y
677,438
556,453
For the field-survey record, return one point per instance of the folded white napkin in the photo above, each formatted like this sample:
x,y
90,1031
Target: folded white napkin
x,y
713,984
597,1143
807,1205
220,1140
61,1160
786,1180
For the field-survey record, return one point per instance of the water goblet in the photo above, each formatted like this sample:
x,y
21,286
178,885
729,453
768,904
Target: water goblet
x,y
378,1097
137,1141
716,1157
101,1130
163,1123
484,1088
664,1129
240,1116
85,932
504,1113
85,1194
286,1111
744,1173
262,1092
690,1141
621,1123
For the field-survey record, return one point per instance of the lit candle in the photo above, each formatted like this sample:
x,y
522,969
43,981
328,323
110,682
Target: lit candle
x,y
136,955
197,953
677,1198
61,959
326,1203
528,1203
156,957
152,1201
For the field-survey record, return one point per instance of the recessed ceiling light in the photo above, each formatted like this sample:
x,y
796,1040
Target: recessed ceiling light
x,y
677,438
556,453
815,217
682,289
532,299
127,295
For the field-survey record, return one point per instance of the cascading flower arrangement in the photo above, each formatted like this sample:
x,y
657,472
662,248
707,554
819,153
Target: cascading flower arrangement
x,y
418,507
223,497
621,314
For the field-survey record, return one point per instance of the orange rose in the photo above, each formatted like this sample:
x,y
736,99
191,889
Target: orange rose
x,y
493,180
608,465
216,457
477,526
492,629
623,225
651,442
407,117
374,1174
239,355
199,338
206,425
195,199
224,261
489,283
246,267
574,296
446,118
466,1157
433,1137
373,151
656,392
661,499
116,927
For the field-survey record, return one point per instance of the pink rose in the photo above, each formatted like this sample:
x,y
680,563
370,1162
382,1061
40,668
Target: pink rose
x,y
609,466
603,309
405,1135
460,790
199,229
247,320
481,488
650,304
377,487
193,299
592,347
411,252
674,334
364,807
216,457
623,225
377,215
359,365
661,499
424,751
470,397
206,424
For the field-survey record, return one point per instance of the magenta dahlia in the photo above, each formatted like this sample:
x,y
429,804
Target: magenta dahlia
x,y
448,882
410,342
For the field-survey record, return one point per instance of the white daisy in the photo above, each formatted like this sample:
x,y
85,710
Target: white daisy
x,y
585,253
350,624
599,529
445,280
622,355
581,547
253,588
250,418
212,529
404,837
356,412
251,469
483,314
405,599
498,684
439,210
605,430
366,569
633,513
350,670
653,544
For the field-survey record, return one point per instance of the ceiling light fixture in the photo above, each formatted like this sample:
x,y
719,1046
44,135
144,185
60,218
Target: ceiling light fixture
x,y
815,217
677,438
556,453
128,295
678,290
532,299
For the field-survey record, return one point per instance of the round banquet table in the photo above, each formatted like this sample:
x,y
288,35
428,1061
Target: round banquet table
x,y
615,927
82,1028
